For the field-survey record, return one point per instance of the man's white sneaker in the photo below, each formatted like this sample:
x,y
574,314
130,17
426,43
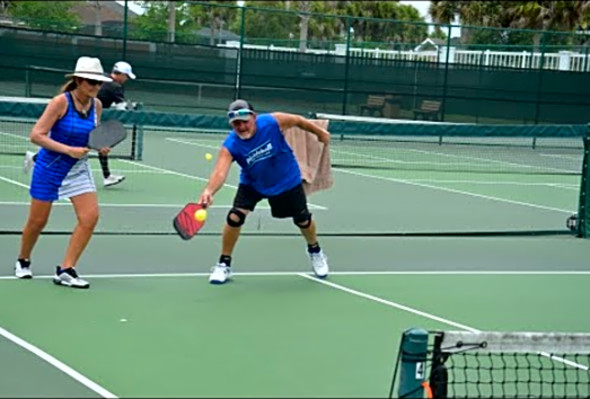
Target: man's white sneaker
x,y
220,273
29,162
319,263
69,278
22,269
113,179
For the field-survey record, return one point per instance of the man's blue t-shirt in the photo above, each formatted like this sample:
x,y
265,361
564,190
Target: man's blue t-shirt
x,y
268,163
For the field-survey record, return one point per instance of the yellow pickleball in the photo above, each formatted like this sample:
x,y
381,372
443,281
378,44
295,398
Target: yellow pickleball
x,y
208,156
200,215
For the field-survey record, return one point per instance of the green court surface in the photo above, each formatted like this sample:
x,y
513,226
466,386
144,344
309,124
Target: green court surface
x,y
407,248
151,325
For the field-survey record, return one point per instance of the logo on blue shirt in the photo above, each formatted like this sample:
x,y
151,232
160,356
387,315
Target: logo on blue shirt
x,y
259,153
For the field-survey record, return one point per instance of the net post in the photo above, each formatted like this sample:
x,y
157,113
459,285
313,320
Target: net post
x,y
28,81
138,136
414,348
583,223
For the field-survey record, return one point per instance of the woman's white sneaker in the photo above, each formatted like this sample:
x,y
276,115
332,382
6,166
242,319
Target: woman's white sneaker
x,y
22,269
29,162
112,180
69,278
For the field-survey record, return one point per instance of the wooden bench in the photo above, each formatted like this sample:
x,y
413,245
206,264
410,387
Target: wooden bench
x,y
374,105
428,110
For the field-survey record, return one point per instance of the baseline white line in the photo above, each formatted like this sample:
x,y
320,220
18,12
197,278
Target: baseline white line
x,y
336,273
487,197
93,386
390,303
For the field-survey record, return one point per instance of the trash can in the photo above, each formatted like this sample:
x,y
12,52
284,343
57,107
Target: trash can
x,y
392,106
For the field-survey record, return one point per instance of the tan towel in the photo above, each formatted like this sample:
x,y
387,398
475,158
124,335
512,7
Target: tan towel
x,y
312,156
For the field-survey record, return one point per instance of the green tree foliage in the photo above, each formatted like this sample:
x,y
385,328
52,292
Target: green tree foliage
x,y
215,15
326,28
267,24
566,16
153,24
46,15
367,30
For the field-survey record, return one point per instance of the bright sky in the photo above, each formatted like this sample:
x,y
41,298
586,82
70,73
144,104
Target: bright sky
x,y
421,6
133,6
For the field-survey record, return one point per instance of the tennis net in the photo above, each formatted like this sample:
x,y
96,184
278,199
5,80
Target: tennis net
x,y
464,364
379,143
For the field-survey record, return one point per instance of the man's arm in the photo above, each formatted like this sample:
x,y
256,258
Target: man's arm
x,y
287,121
218,176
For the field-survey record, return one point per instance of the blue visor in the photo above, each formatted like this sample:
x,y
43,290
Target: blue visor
x,y
242,114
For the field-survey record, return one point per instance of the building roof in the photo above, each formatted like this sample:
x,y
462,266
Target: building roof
x,y
436,43
109,11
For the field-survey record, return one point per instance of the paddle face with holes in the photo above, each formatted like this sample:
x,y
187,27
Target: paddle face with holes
x,y
107,134
185,223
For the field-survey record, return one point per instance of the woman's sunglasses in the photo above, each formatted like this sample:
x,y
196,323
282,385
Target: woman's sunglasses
x,y
93,82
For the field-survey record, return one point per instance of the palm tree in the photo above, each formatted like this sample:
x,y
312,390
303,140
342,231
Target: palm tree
x,y
549,15
304,6
97,18
443,12
4,6
171,21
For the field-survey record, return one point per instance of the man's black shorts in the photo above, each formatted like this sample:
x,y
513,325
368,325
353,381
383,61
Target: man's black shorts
x,y
290,203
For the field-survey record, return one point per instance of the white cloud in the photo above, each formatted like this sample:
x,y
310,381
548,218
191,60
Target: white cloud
x,y
133,6
421,6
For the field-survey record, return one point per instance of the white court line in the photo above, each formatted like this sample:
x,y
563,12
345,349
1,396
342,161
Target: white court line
x,y
427,315
103,205
499,183
315,206
568,157
309,276
335,273
16,183
390,303
211,147
93,386
487,197
165,171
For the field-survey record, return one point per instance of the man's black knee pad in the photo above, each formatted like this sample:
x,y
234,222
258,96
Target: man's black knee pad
x,y
303,220
239,214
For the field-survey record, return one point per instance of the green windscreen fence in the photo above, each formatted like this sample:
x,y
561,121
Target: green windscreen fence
x,y
475,84
391,177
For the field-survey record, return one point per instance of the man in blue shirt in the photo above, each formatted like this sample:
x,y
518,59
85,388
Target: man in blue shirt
x,y
269,170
